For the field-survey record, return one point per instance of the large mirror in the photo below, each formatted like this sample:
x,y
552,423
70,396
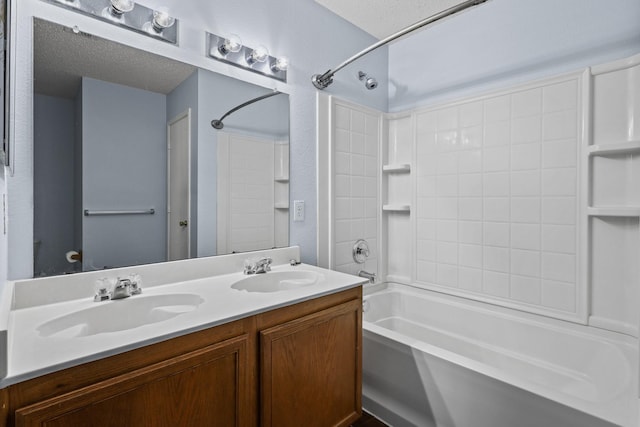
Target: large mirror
x,y
128,169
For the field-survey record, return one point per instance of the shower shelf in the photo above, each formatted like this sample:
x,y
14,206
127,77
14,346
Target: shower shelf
x,y
396,208
281,179
397,168
617,148
281,205
625,211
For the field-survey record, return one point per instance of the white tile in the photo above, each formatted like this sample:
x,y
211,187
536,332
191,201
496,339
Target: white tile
x,y
447,207
494,283
525,209
559,210
525,156
370,207
471,114
427,163
559,238
426,142
447,118
496,209
447,230
497,134
496,234
426,272
526,289
371,166
559,154
357,186
370,227
560,125
372,125
357,208
427,186
426,250
470,185
370,187
559,296
342,117
447,140
426,229
357,230
342,186
447,185
470,279
447,252
342,230
470,255
559,182
495,259
357,122
357,143
371,146
525,183
560,96
525,263
343,253
426,207
470,232
470,161
526,130
525,236
426,123
447,163
357,164
497,108
342,209
496,184
471,138
526,103
343,141
560,267
496,159
470,208
447,275
342,163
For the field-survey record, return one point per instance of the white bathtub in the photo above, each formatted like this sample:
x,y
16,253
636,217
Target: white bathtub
x,y
434,360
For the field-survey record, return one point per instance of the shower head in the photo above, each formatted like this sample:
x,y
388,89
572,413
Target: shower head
x,y
369,82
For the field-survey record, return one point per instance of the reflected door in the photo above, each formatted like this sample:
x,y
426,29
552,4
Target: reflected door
x,y
178,215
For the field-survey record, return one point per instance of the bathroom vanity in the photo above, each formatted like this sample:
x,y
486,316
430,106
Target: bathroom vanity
x,y
273,358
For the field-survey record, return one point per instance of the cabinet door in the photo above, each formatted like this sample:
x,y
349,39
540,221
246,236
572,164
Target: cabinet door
x,y
201,388
311,369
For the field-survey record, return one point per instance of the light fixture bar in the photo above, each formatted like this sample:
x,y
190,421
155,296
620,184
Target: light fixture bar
x,y
239,58
322,81
140,19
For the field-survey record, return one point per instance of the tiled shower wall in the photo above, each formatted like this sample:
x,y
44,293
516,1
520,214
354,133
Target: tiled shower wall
x,y
355,184
496,184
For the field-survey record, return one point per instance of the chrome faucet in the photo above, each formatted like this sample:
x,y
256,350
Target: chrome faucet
x,y
122,289
259,266
367,275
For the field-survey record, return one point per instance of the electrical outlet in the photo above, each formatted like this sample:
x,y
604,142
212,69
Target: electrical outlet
x,y
298,210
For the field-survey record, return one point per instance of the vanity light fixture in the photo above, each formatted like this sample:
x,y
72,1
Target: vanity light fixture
x,y
230,50
127,14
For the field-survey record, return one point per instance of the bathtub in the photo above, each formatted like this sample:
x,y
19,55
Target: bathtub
x,y
434,360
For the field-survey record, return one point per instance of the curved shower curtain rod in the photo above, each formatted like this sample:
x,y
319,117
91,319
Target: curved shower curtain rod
x,y
217,123
322,81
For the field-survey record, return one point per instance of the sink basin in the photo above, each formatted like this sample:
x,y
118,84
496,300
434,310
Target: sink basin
x,y
276,281
120,315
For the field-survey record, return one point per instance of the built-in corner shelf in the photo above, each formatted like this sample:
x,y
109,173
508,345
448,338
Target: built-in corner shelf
x,y
281,205
281,179
626,211
397,168
617,148
396,208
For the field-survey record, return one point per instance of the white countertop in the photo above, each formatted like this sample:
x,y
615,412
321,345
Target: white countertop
x,y
31,355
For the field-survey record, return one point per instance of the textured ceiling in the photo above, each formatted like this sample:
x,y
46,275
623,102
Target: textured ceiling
x,y
381,18
62,57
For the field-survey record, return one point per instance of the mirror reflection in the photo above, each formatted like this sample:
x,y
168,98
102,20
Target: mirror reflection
x,y
128,169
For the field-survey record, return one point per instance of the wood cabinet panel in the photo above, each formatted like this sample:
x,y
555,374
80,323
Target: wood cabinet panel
x,y
205,387
311,369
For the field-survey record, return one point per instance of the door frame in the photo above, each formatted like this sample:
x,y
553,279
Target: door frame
x,y
187,114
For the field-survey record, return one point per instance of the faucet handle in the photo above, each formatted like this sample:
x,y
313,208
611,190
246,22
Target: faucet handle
x,y
135,286
102,288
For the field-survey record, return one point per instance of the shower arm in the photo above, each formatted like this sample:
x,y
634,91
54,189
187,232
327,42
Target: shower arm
x,y
217,123
322,81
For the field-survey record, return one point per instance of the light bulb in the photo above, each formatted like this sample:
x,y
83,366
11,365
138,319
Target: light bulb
x,y
118,7
259,54
230,44
162,20
280,64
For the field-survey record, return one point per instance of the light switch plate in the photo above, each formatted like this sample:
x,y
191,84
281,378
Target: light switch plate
x,y
298,210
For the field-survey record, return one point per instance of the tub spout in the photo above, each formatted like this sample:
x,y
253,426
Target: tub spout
x,y
367,275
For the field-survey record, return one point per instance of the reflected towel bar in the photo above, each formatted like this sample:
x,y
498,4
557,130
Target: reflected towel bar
x,y
88,212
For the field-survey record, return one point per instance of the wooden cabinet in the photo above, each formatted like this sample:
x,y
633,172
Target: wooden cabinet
x,y
297,365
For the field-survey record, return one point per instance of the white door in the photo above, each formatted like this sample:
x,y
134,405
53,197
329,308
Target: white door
x,y
179,187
